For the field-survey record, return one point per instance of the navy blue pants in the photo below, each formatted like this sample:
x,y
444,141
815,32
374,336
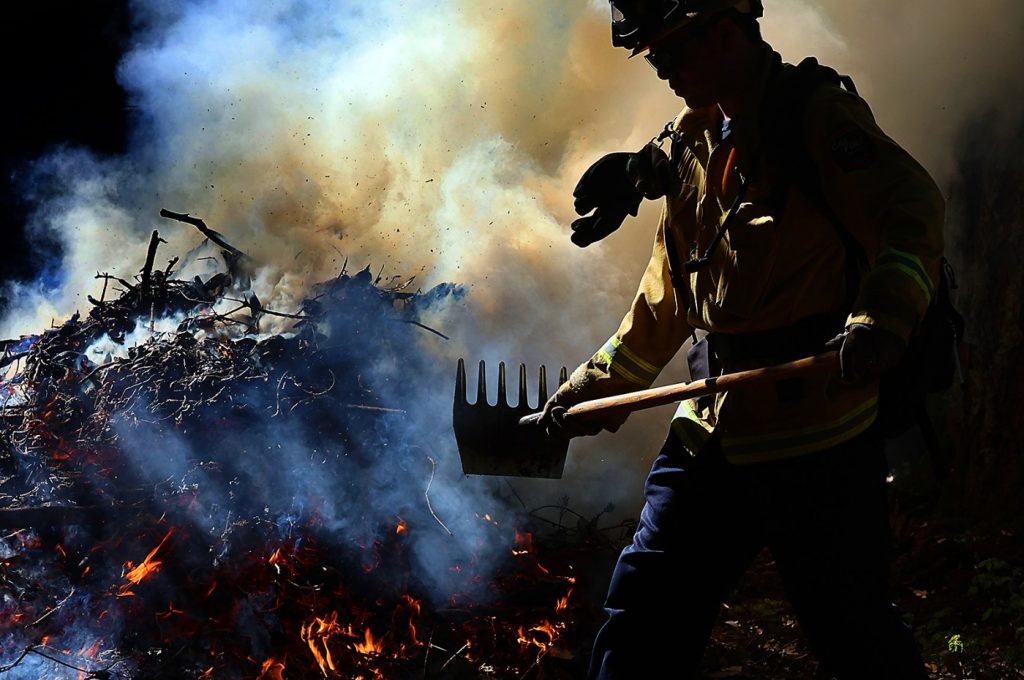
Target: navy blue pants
x,y
823,516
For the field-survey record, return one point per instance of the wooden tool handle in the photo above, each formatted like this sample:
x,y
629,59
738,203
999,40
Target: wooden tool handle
x,y
658,396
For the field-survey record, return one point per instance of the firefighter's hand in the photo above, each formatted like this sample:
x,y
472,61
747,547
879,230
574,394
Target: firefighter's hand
x,y
555,423
593,228
614,187
607,190
866,352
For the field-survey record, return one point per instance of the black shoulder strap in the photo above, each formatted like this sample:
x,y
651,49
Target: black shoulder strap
x,y
782,133
784,148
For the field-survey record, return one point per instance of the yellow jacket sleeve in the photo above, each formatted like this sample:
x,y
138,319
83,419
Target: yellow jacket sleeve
x,y
888,203
650,334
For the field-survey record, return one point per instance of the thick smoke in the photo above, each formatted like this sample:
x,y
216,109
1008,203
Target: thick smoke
x,y
443,139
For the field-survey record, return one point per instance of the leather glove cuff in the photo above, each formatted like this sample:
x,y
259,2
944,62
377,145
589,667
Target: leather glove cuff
x,y
607,184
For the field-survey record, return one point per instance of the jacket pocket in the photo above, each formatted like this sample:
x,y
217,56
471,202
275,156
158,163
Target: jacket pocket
x,y
750,254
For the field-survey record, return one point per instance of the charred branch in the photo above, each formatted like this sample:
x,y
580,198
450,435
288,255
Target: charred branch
x,y
232,254
147,269
51,516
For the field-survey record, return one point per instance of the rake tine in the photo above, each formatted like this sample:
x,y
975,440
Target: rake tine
x,y
542,392
460,383
502,398
481,385
522,386
563,375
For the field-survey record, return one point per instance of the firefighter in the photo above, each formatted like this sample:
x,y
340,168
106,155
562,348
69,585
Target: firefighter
x,y
791,223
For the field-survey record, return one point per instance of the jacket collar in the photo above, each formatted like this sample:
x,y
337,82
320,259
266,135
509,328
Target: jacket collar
x,y
704,125
747,124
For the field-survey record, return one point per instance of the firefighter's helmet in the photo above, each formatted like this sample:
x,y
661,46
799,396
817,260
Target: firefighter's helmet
x,y
637,24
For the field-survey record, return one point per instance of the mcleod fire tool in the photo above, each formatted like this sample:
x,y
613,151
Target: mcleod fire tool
x,y
506,440
491,440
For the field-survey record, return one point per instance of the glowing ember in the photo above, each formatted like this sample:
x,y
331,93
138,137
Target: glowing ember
x,y
148,566
524,543
401,528
169,612
487,518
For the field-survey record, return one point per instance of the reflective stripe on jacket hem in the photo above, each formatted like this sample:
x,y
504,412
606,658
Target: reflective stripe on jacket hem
x,y
746,449
689,429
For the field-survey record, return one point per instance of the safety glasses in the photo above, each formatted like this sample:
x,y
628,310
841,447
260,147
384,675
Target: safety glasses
x,y
665,58
670,51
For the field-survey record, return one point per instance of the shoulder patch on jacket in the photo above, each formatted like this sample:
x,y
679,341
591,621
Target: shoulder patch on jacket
x,y
851,148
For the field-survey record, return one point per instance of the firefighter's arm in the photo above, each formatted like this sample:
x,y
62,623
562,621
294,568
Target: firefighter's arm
x,y
887,201
650,334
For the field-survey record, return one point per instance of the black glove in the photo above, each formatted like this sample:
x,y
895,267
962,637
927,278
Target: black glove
x,y
552,419
606,189
866,352
614,187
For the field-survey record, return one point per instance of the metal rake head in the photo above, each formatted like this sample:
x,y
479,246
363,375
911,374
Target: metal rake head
x,y
492,442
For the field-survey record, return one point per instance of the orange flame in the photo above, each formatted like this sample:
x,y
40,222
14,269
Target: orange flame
x,y
542,636
135,575
368,645
89,652
316,634
563,602
402,527
272,669
409,608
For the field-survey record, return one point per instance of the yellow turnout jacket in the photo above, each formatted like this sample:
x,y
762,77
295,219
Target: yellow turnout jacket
x,y
776,266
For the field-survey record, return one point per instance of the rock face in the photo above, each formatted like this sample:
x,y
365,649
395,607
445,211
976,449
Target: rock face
x,y
985,242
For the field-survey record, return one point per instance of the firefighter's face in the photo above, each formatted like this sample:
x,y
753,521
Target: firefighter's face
x,y
695,65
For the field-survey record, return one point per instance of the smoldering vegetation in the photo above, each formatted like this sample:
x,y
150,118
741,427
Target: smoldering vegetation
x,y
186,493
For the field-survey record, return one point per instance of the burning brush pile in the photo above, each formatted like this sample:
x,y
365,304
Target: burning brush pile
x,y
185,495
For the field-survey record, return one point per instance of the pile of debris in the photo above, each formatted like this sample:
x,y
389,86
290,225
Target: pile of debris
x,y
182,494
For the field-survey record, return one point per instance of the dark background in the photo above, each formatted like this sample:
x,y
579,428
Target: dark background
x,y
60,81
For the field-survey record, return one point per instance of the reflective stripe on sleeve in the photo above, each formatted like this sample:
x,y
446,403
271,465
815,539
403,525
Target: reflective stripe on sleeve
x,y
910,265
626,363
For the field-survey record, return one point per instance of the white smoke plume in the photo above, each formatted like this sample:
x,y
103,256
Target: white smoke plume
x,y
443,139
